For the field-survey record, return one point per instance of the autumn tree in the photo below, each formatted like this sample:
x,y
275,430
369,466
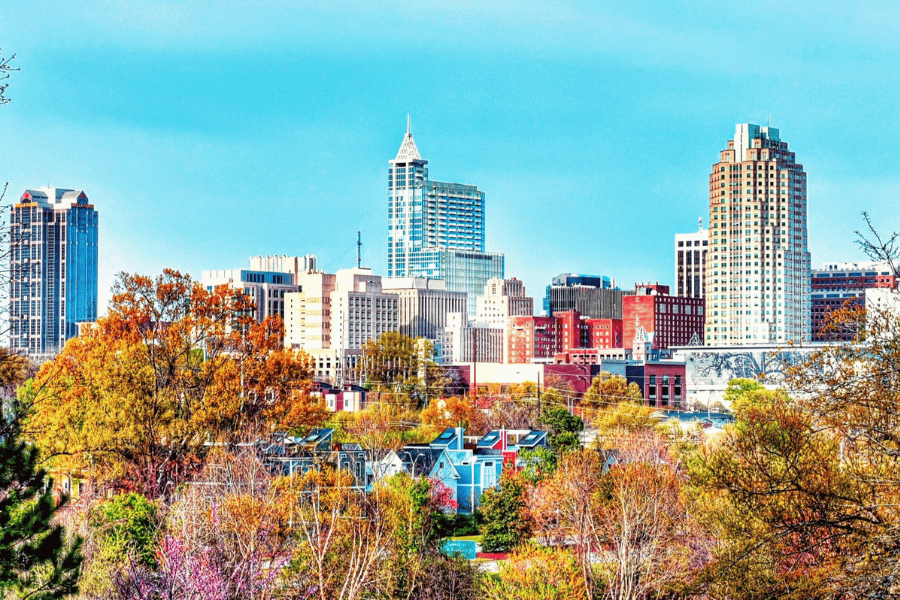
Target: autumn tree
x,y
642,521
624,416
343,535
402,365
538,573
140,395
448,412
563,509
607,390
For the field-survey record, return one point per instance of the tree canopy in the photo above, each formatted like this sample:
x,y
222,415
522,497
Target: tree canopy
x,y
140,396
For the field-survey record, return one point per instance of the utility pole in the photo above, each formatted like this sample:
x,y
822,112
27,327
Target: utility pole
x,y
474,363
539,390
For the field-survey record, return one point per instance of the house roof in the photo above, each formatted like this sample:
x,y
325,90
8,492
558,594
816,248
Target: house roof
x,y
420,461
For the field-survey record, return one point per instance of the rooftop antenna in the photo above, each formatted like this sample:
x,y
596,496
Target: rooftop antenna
x,y
768,120
358,249
408,125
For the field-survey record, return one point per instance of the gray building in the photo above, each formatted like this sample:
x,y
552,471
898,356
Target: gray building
x,y
53,269
423,305
594,296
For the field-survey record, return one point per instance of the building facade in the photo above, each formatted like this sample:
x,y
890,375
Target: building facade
x,y
266,288
307,312
423,305
465,341
593,296
690,263
673,320
53,269
436,229
503,298
839,285
532,339
758,264
295,265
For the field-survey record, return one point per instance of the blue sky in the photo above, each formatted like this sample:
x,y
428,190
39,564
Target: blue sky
x,y
208,132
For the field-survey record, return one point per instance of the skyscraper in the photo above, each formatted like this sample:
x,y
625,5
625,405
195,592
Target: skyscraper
x,y
436,229
53,269
758,265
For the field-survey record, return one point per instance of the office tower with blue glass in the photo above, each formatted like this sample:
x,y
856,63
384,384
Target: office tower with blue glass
x,y
53,270
436,229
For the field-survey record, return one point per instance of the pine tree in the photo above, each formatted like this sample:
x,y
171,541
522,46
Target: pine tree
x,y
36,561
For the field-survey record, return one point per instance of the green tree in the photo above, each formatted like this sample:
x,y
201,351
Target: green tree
x,y
36,560
506,523
562,429
737,388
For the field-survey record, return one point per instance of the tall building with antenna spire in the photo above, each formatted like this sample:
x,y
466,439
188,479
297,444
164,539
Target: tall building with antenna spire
x,y
758,264
436,229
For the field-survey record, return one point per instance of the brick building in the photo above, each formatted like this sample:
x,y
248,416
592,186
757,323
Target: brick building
x,y
532,338
673,320
840,284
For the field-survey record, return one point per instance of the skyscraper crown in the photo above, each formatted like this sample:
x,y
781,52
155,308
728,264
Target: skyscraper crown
x,y
408,150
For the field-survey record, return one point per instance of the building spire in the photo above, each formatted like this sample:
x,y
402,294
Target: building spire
x,y
408,150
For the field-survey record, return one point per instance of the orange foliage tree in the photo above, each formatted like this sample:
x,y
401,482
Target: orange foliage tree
x,y
448,412
174,368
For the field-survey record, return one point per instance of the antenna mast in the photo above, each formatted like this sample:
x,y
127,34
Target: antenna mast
x,y
358,249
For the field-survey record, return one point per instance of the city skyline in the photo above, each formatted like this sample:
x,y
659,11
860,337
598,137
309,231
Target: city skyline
x,y
585,144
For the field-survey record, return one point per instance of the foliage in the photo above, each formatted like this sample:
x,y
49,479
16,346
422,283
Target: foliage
x,y
563,508
342,534
538,464
625,416
803,494
538,573
506,523
642,521
36,561
607,390
562,429
448,578
128,523
443,413
403,365
737,388
136,399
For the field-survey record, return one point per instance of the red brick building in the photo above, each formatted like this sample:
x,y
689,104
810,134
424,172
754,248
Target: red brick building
x,y
663,383
530,338
840,284
672,319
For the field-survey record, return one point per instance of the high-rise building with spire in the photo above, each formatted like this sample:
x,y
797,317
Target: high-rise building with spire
x,y
758,265
436,229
